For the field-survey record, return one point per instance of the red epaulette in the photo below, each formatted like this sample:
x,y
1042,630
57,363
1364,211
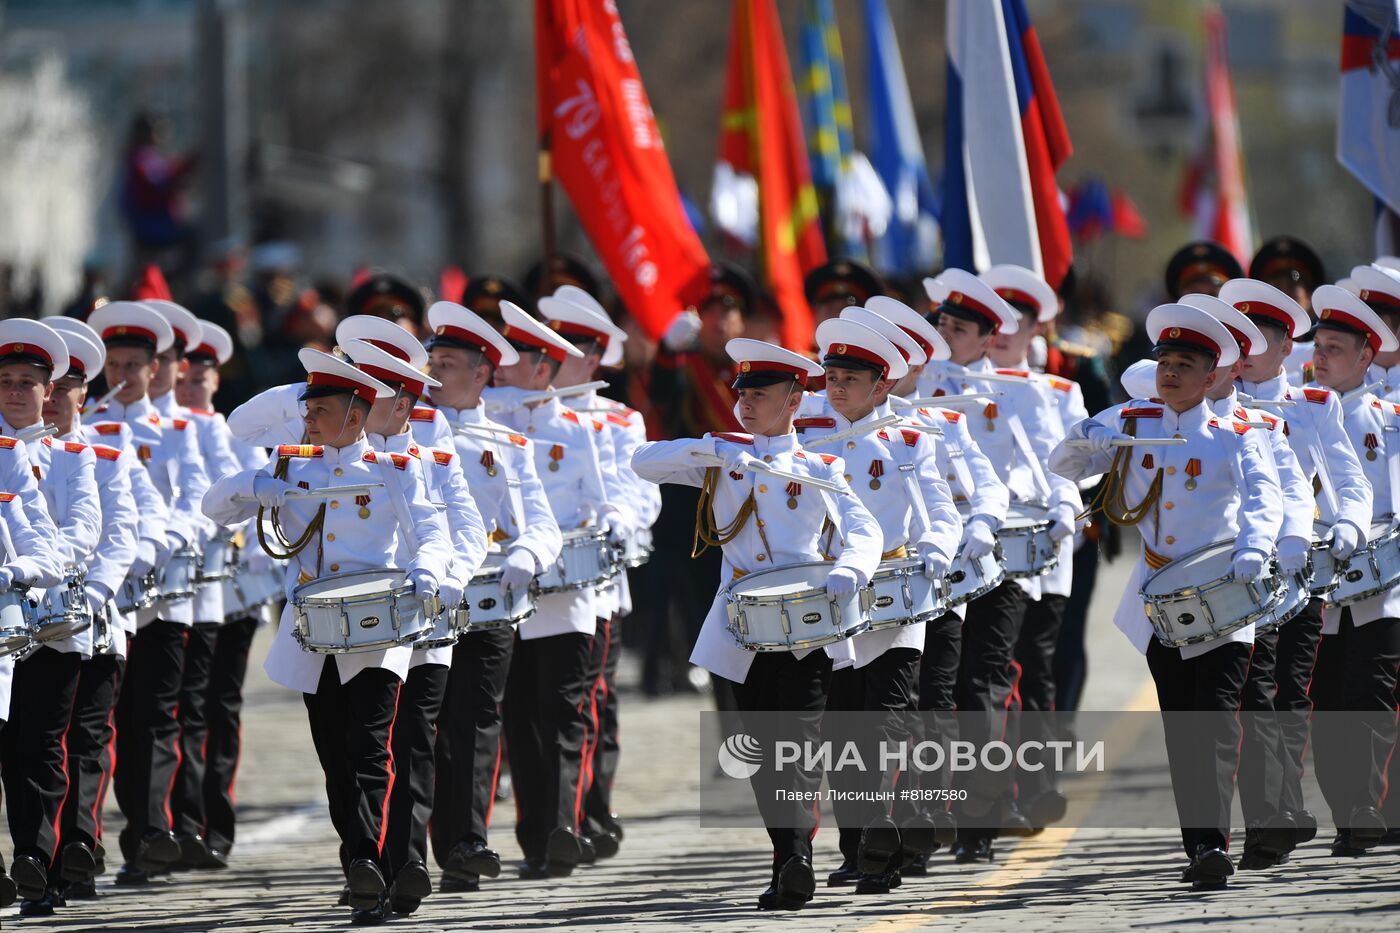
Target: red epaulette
x,y
911,438
1063,385
597,425
618,420
1316,395
206,412
299,450
180,424
108,428
570,416
9,442
518,440
422,414
1014,372
1393,407
1141,413
442,457
399,460
73,447
105,452
952,417
7,497
734,438
801,423
1270,420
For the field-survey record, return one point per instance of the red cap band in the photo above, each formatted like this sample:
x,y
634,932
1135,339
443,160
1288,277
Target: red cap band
x,y
531,340
342,382
466,336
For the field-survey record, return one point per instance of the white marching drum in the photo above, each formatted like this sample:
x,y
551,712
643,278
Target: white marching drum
x,y
968,579
176,579
447,626
248,589
102,630
489,604
787,609
1195,599
219,560
62,611
137,593
636,550
1024,539
16,628
585,560
1372,570
902,595
1324,565
364,611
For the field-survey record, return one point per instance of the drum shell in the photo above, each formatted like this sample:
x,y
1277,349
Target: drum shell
x,y
585,560
1026,546
176,579
968,580
62,611
136,593
489,605
797,620
330,624
248,590
902,595
220,560
16,622
1211,609
1371,571
102,624
637,549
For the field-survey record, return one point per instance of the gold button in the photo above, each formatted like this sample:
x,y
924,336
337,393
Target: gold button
x,y
848,477
762,488
339,471
530,428
334,567
767,458
1169,505
1170,539
1177,436
761,557
951,477
335,503
850,445
331,536
762,524
1171,471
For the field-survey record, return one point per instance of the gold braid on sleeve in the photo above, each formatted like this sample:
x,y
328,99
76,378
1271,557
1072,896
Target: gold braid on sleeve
x,y
1109,499
706,534
289,549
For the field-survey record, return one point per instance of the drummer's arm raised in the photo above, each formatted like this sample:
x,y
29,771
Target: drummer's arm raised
x,y
270,418
671,461
1076,463
862,541
1261,498
232,499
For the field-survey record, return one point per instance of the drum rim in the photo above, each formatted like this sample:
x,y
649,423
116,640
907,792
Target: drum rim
x,y
806,644
1369,550
1142,589
404,585
1196,592
728,589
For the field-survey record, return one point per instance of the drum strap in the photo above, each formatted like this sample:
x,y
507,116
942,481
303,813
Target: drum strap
x,y
1109,499
289,549
707,534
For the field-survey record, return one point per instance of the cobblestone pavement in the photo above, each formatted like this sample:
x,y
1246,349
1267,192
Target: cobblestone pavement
x,y
673,874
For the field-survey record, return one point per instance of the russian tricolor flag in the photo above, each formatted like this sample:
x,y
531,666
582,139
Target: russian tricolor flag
x,y
1368,123
1005,138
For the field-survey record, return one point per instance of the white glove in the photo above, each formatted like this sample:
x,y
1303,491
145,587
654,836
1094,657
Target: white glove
x,y
97,596
1059,531
270,491
978,540
1292,554
738,460
935,564
1345,540
842,583
145,558
165,547
519,569
1101,437
424,583
615,527
1248,565
682,332
450,594
7,579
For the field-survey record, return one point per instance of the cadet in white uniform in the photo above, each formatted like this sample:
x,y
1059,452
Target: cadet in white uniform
x,y
32,759
140,345
1360,651
1220,471
760,523
350,699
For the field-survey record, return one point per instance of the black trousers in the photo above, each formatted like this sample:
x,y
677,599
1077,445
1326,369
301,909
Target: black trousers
x,y
544,735
1293,673
1071,660
782,683
148,730
223,710
33,752
468,750
1202,751
1035,655
600,765
1260,777
187,795
888,684
986,681
938,678
351,725
415,734
90,735
1356,672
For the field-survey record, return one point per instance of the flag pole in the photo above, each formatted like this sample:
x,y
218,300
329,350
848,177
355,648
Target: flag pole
x,y
546,209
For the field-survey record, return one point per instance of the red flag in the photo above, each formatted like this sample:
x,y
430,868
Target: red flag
x,y
151,284
452,282
761,136
596,122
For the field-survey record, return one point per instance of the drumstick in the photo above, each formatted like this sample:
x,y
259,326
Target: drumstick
x,y
328,492
924,428
1263,402
1130,442
36,431
994,377
878,424
581,389
1355,393
937,401
711,460
111,394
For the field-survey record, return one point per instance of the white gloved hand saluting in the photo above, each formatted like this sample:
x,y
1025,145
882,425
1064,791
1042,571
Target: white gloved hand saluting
x,y
1292,554
1248,564
270,491
842,583
519,569
1346,538
978,540
681,334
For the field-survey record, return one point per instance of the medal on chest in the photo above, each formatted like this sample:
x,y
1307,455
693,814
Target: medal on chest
x,y
1193,470
1371,444
877,470
794,489
556,453
990,412
488,460
363,502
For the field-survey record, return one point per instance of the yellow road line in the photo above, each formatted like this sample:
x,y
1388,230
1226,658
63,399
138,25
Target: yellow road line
x,y
1032,857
